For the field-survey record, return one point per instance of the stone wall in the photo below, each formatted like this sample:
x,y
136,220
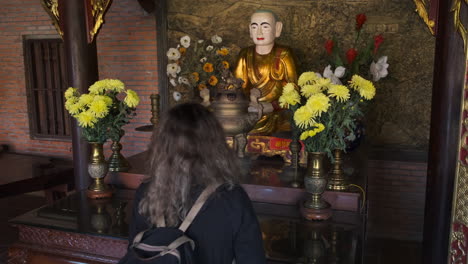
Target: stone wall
x,y
400,113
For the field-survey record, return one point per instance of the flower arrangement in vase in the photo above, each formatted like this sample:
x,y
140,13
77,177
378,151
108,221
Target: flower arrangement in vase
x,y
196,65
101,114
314,103
360,66
322,113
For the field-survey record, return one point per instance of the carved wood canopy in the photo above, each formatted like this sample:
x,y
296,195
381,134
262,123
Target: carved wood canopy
x,y
428,13
94,10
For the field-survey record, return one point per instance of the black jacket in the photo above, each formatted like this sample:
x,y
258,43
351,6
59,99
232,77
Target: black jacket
x,y
225,229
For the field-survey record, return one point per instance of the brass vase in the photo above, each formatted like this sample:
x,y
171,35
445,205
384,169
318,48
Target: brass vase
x,y
97,169
117,162
101,220
314,247
337,180
315,207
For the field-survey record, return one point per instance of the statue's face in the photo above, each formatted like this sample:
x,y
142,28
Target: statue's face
x,y
263,28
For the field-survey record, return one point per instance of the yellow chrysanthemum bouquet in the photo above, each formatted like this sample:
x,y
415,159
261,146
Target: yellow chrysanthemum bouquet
x,y
101,113
324,111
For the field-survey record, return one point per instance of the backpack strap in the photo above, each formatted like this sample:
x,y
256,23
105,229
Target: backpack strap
x,y
190,216
197,206
139,236
163,250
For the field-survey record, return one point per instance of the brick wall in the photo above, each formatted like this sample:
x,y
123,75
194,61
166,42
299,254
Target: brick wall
x,y
396,198
19,18
126,50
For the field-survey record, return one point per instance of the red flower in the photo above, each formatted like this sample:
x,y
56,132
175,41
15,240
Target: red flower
x,y
360,20
329,46
377,41
351,55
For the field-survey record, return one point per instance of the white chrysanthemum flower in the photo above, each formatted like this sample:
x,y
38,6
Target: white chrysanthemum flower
x,y
200,41
173,69
177,96
173,54
185,41
351,137
340,71
334,76
183,80
203,60
379,70
216,39
173,82
209,48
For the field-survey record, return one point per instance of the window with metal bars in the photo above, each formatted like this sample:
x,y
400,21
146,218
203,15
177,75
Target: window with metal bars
x,y
46,81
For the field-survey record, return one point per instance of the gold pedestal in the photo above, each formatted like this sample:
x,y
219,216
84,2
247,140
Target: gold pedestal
x,y
154,115
117,161
295,147
336,180
293,172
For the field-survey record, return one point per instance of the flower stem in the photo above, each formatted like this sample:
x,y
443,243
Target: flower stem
x,y
357,38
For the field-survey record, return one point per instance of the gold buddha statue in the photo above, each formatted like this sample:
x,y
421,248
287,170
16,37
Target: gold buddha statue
x,y
268,67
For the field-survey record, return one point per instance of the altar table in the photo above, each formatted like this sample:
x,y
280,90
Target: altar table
x,y
22,173
263,180
77,229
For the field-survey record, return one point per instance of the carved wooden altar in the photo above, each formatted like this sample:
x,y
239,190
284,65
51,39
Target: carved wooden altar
x,y
81,230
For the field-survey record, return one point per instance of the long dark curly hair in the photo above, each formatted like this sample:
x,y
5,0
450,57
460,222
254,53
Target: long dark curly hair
x,y
188,151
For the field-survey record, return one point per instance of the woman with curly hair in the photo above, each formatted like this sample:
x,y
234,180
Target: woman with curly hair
x,y
187,153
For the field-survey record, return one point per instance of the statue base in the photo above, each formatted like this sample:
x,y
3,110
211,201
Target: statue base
x,y
270,146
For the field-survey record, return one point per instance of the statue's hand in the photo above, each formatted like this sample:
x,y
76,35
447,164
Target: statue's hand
x,y
253,108
267,107
205,95
206,103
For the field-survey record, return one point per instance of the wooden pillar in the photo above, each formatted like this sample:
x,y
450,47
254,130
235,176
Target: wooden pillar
x,y
82,72
444,136
161,36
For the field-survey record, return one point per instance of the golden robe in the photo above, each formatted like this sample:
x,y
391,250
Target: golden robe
x,y
269,73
